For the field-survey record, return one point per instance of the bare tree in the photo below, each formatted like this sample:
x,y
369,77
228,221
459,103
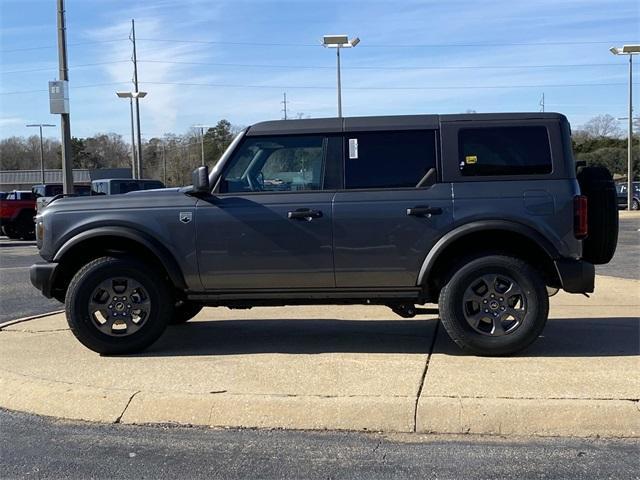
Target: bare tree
x,y
602,126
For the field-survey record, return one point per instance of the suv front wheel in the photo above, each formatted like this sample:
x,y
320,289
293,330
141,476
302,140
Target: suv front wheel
x,y
494,305
118,305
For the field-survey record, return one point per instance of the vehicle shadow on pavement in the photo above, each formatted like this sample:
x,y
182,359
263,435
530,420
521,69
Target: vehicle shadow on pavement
x,y
585,337
575,337
304,336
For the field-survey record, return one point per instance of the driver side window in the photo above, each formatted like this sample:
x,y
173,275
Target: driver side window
x,y
276,164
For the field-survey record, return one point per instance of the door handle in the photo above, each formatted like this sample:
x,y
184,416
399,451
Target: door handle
x,y
424,211
307,214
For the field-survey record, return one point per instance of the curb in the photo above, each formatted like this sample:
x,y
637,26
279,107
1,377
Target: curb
x,y
9,323
435,415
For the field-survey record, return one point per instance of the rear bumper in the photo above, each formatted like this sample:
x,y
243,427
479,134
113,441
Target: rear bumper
x,y
42,276
576,276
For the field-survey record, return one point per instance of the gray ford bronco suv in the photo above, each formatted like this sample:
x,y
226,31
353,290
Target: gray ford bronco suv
x,y
485,215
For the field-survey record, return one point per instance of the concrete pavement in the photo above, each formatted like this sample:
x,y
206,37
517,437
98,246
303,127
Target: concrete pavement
x,y
351,368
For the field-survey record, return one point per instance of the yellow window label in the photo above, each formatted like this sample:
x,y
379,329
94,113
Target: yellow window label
x,y
470,159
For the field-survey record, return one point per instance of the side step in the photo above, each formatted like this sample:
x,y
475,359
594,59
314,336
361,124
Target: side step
x,y
409,310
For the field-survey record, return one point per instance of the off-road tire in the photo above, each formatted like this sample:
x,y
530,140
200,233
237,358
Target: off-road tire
x,y
184,311
452,304
82,323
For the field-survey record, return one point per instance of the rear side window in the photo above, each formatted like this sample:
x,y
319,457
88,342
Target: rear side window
x,y
504,151
388,159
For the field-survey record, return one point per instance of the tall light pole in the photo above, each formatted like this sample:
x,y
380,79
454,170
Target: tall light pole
x,y
338,42
629,50
136,161
40,125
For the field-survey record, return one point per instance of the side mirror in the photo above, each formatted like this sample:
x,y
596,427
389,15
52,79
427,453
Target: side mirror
x,y
200,180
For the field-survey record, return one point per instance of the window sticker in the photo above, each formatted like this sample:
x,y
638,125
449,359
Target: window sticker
x,y
353,148
471,159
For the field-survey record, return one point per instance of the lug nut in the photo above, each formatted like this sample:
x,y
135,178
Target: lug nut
x,y
501,308
484,301
493,296
501,299
486,310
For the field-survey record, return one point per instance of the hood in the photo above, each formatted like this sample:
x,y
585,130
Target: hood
x,y
163,197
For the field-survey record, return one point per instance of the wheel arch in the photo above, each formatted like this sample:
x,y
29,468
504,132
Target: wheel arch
x,y
103,241
489,236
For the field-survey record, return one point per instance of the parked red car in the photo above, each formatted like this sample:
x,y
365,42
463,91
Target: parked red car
x,y
16,214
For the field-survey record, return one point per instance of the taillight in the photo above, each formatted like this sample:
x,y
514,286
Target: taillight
x,y
580,225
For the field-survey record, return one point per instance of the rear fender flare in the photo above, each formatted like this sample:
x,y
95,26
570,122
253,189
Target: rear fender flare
x,y
478,226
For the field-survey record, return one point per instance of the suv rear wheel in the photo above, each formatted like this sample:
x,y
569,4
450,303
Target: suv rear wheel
x,y
118,305
494,305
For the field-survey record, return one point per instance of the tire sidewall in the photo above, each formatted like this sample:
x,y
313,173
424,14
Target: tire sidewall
x,y
87,280
452,306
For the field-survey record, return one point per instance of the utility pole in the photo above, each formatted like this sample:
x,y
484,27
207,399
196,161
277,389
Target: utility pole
x,y
164,166
284,103
134,162
40,125
542,102
202,144
630,139
201,128
135,84
65,125
339,83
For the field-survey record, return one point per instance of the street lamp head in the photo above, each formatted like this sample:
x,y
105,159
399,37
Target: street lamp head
x,y
124,94
354,41
625,50
139,94
333,41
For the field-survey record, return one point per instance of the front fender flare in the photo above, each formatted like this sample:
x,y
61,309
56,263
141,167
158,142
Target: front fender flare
x,y
479,226
160,251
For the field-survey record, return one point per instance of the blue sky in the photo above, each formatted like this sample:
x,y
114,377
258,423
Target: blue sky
x,y
205,60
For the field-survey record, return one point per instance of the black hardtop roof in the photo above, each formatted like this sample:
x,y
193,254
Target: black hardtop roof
x,y
390,122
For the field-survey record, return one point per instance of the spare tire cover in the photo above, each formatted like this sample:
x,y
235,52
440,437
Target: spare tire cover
x,y
596,183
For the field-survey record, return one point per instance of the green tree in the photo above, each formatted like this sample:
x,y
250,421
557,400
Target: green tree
x,y
216,141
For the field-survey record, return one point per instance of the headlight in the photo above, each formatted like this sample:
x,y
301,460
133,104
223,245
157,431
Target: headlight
x,y
39,232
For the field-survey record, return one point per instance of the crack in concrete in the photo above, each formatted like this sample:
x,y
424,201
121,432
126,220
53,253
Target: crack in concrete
x,y
424,375
126,406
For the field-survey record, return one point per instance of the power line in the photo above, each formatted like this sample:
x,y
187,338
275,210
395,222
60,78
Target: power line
x,y
449,87
320,87
71,88
42,47
70,68
376,67
394,45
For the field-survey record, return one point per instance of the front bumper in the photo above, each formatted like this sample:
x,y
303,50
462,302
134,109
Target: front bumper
x,y
42,276
576,276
